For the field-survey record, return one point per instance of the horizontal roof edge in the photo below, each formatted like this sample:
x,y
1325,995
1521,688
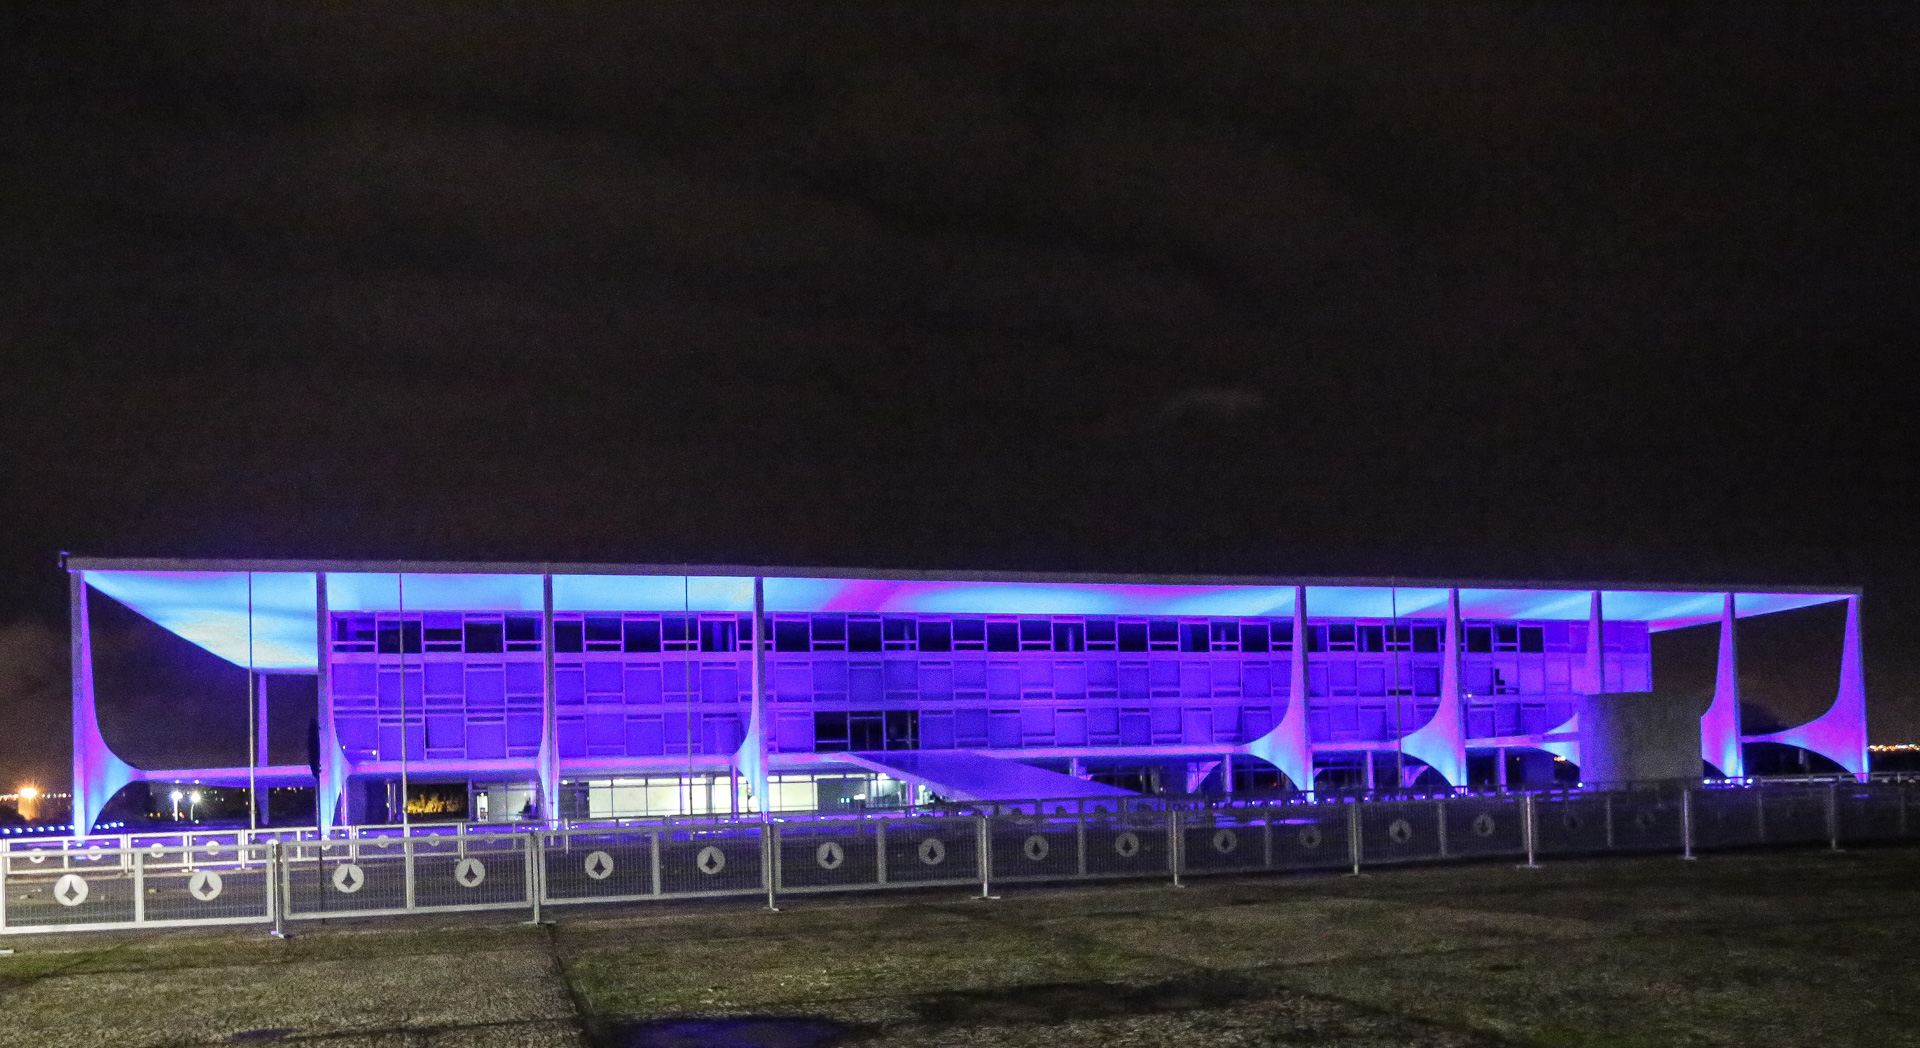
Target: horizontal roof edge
x,y
81,563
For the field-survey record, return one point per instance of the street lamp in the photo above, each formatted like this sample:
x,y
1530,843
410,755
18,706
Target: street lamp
x,y
193,802
175,797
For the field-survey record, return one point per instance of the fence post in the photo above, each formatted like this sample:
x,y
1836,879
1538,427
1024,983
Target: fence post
x,y
1175,840
1833,815
1529,828
1080,842
1760,811
1353,835
983,848
770,861
1440,820
536,874
1686,824
880,848
654,852
6,863
276,888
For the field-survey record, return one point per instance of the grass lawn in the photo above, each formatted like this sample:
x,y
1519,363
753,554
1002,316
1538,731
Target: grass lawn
x,y
1790,949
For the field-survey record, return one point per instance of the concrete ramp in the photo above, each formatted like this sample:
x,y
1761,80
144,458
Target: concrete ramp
x,y
963,776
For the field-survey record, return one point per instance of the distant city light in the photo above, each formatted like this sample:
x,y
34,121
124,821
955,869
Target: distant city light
x,y
28,793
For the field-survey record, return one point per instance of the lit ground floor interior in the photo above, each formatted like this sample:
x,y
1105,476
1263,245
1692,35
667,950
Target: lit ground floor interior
x,y
1778,948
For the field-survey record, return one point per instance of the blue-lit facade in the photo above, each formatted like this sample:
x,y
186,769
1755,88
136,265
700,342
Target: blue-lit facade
x,y
577,683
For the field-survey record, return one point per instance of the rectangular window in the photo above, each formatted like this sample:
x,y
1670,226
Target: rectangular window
x,y
1036,635
1506,637
1532,639
829,633
1253,637
864,634
568,635
1340,636
1003,636
829,732
1479,638
899,633
523,633
443,638
866,731
679,632
969,635
1164,635
1133,636
1194,636
639,635
1100,635
485,638
903,729
1226,636
1426,638
603,633
1069,636
1372,638
718,634
1283,635
789,635
399,637
936,636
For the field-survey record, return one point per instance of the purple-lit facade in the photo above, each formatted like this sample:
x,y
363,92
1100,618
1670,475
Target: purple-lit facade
x,y
552,675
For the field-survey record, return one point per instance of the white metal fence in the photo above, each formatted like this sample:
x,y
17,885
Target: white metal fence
x,y
235,877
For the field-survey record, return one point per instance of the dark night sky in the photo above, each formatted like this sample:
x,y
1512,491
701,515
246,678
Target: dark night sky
x,y
1570,291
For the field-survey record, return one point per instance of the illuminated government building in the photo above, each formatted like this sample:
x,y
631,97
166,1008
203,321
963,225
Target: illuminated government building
x,y
595,691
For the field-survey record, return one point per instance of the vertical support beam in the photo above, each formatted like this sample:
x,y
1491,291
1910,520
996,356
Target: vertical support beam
x,y
1720,725
1226,773
1288,746
254,682
1441,742
331,782
549,761
98,773
260,736
1596,674
752,755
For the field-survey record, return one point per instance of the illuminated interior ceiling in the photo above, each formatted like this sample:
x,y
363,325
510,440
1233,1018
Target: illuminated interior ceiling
x,y
211,608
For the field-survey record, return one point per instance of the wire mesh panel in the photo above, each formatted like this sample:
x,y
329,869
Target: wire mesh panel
x,y
1481,826
710,861
470,872
824,855
588,865
1873,813
1313,837
1795,814
1034,848
205,883
1731,818
340,878
1400,831
1647,820
1221,842
97,887
1126,845
925,850
1573,825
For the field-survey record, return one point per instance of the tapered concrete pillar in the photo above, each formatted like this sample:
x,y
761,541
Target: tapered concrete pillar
x,y
549,757
1720,725
1596,660
333,770
1441,742
1840,734
1288,747
98,773
751,758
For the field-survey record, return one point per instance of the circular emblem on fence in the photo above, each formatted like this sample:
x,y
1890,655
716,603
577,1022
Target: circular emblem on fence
x,y
1035,848
1225,841
71,889
1483,825
36,857
470,872
1127,845
711,860
349,878
599,865
1310,837
932,852
1401,831
157,850
204,885
829,855
1643,819
212,852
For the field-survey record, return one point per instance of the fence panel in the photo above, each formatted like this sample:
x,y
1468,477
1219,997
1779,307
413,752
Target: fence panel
x,y
91,887
1481,826
470,872
1734,818
1573,825
1314,837
1033,848
1126,845
1647,820
597,865
205,883
711,861
1874,813
925,851
823,856
1795,814
1400,831
344,878
1223,842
